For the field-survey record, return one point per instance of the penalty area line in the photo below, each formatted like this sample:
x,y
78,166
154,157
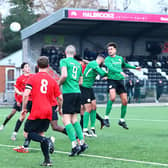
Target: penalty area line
x,y
102,157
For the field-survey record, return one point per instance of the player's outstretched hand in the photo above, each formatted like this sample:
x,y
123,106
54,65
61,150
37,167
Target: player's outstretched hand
x,y
24,112
138,68
105,78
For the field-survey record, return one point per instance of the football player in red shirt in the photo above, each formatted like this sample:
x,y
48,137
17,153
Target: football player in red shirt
x,y
56,106
43,88
19,89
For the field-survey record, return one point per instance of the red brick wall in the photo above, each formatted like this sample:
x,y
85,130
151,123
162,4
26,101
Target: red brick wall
x,y
2,77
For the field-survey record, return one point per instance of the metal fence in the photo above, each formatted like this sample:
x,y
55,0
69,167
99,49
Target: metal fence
x,y
147,92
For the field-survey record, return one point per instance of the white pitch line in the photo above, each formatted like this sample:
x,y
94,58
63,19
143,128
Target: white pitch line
x,y
103,157
138,119
130,119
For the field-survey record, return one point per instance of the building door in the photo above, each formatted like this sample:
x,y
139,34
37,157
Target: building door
x,y
10,82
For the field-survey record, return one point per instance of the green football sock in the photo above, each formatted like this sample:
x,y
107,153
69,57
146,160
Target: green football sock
x,y
93,118
78,130
108,107
123,111
71,132
85,119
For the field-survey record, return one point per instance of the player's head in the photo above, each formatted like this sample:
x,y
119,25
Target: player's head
x,y
112,48
25,67
100,59
70,51
43,62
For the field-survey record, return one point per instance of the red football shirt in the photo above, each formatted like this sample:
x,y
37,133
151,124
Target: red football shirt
x,y
56,78
53,74
43,88
20,85
83,67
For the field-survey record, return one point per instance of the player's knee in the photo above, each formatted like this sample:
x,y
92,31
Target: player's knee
x,y
112,99
66,122
94,107
74,120
54,127
25,134
89,109
124,102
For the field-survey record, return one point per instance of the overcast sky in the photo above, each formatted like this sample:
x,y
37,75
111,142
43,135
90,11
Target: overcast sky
x,y
136,5
4,9
150,6
144,5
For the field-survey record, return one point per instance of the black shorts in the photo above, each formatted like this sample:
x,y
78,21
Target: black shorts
x,y
29,106
87,95
118,85
38,125
19,108
71,103
54,113
16,107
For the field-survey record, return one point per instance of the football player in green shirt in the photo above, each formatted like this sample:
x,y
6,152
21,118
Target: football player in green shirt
x,y
71,76
115,65
87,93
83,63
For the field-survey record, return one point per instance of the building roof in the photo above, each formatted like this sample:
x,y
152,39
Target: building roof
x,y
14,59
95,22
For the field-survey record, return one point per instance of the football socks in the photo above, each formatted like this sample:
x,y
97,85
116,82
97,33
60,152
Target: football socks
x,y
93,118
123,111
78,130
71,132
85,120
108,107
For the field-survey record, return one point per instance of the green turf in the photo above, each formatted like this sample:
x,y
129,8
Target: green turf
x,y
146,140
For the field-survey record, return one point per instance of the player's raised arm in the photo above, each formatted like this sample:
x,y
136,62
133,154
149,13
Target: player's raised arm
x,y
25,99
18,92
126,65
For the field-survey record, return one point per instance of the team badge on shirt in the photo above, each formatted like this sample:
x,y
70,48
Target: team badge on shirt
x,y
119,60
110,86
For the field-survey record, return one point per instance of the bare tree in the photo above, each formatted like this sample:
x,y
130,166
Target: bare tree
x,y
48,7
163,5
126,4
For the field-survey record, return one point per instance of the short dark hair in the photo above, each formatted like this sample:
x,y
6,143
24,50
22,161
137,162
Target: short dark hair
x,y
43,62
23,64
101,55
78,57
112,44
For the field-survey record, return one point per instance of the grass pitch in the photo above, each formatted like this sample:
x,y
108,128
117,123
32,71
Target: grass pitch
x,y
144,145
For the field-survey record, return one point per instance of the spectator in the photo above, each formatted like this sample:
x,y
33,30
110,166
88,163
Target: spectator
x,y
129,87
137,92
159,90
